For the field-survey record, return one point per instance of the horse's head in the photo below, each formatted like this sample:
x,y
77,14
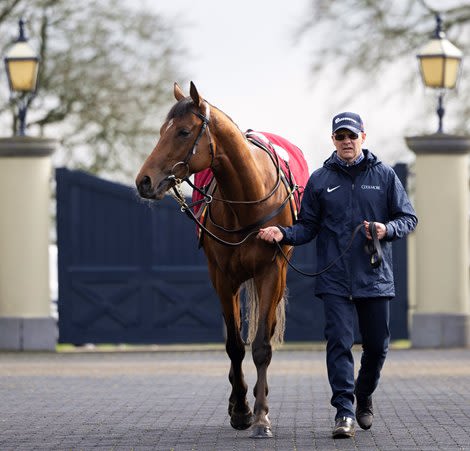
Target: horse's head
x,y
184,147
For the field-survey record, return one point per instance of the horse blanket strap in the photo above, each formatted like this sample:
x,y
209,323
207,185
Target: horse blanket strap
x,y
209,191
202,213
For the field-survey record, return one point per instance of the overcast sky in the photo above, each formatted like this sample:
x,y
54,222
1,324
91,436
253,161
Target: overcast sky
x,y
244,60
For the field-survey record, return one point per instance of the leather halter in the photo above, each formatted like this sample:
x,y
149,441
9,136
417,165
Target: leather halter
x,y
204,128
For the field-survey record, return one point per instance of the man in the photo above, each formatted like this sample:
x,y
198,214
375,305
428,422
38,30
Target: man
x,y
353,187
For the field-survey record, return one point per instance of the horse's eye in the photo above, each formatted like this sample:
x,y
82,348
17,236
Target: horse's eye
x,y
183,133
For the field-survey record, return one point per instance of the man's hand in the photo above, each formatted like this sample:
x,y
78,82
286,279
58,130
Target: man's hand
x,y
381,230
270,234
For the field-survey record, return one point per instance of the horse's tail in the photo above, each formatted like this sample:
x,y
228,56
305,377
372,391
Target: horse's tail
x,y
252,312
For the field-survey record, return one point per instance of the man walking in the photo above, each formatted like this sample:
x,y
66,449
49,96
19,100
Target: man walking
x,y
353,187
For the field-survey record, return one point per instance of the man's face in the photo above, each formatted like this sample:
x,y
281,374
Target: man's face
x,y
348,144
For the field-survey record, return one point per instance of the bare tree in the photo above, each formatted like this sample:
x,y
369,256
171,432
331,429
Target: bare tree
x,y
104,77
371,36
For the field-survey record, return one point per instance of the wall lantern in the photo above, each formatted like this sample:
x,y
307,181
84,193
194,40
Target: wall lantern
x,y
22,65
439,63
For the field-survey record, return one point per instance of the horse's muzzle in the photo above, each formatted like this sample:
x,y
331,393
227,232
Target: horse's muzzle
x,y
147,190
144,186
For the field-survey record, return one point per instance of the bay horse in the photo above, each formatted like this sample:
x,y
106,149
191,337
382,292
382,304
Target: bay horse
x,y
196,136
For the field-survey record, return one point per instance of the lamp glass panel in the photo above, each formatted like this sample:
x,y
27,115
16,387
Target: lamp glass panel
x,y
451,72
432,70
23,74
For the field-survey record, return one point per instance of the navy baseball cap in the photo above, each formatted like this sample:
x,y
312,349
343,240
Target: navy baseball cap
x,y
351,121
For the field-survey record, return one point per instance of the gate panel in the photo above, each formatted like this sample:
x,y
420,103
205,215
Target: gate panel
x,y
129,272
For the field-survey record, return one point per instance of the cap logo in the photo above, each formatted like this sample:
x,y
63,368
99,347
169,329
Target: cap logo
x,y
339,119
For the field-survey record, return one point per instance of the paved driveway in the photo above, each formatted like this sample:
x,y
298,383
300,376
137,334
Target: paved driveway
x,y
178,401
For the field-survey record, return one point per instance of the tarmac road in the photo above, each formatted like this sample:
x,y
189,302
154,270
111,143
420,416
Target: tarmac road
x,y
177,400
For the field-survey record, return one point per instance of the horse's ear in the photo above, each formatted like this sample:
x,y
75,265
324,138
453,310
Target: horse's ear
x,y
178,92
194,94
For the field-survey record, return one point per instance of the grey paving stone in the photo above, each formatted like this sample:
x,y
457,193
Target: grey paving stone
x,y
178,401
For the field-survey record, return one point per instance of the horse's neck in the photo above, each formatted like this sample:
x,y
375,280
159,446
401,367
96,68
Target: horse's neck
x,y
237,173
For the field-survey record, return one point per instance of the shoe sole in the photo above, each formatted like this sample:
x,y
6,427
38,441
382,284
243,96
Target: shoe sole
x,y
343,435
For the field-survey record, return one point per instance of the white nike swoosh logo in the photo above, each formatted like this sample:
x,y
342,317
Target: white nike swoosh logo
x,y
330,190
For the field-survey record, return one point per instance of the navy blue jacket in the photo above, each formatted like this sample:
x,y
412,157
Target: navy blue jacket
x,y
332,206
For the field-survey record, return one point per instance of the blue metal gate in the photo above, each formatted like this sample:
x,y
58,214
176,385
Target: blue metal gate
x,y
131,272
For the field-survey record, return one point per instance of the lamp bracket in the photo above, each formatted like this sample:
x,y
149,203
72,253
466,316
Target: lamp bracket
x,y
439,31
22,35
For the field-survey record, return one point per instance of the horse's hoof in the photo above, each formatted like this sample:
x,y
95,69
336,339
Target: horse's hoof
x,y
241,421
261,432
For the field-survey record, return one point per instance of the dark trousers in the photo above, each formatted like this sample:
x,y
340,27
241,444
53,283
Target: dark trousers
x,y
373,315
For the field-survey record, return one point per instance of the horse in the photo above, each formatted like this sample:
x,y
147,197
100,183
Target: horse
x,y
197,136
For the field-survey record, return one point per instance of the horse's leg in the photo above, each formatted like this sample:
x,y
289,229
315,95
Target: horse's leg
x,y
270,287
240,413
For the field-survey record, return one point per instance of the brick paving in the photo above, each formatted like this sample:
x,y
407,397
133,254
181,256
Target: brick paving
x,y
162,400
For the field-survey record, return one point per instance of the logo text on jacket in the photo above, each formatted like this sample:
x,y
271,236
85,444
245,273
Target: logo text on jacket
x,y
370,187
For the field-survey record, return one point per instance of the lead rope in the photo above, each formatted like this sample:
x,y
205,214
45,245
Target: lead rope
x,y
375,250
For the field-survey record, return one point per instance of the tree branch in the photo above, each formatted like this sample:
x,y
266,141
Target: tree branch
x,y
7,10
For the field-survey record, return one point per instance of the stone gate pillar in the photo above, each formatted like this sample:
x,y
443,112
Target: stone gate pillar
x,y
25,170
442,314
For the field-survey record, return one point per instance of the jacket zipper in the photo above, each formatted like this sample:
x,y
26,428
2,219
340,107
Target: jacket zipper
x,y
353,185
350,260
